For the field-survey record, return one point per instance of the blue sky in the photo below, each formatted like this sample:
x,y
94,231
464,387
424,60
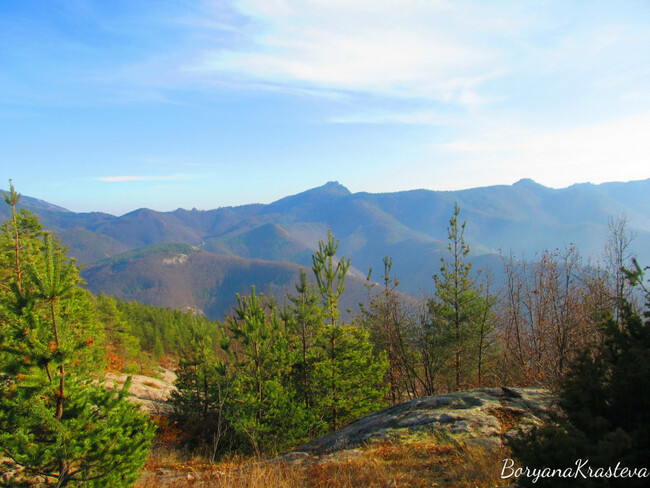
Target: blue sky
x,y
121,104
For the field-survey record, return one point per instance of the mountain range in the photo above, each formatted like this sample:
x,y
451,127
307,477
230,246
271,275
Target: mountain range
x,y
199,259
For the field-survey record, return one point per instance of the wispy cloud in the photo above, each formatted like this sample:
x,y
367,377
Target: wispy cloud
x,y
386,117
402,48
141,178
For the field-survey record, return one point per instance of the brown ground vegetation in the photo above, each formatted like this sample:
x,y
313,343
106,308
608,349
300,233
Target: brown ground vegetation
x,y
425,460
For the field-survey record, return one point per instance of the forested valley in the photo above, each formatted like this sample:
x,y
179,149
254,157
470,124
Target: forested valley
x,y
281,370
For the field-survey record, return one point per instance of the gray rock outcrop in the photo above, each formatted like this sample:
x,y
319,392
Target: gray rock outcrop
x,y
483,415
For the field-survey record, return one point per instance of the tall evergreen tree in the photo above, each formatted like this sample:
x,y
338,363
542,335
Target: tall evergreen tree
x,y
306,321
268,412
55,422
456,307
204,396
331,284
350,376
350,379
330,277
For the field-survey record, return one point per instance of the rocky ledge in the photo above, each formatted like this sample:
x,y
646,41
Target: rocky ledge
x,y
482,415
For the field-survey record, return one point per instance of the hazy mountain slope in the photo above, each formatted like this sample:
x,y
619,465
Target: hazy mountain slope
x,y
525,217
312,204
182,276
89,247
145,226
268,241
634,195
32,204
219,221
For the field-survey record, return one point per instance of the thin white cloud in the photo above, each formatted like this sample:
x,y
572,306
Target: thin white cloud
x,y
140,178
402,48
420,117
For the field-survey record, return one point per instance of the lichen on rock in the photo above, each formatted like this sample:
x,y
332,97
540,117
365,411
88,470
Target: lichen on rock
x,y
484,415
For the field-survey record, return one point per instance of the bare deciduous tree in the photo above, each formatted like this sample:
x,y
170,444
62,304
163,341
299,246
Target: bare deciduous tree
x,y
544,316
618,255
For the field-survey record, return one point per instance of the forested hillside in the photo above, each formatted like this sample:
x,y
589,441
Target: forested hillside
x,y
254,244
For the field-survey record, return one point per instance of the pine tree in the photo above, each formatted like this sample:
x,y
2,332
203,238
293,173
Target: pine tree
x,y
350,379
55,421
204,395
306,320
350,376
101,439
268,412
457,308
330,278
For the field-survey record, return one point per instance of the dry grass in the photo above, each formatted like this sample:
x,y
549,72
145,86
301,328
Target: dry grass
x,y
508,418
422,461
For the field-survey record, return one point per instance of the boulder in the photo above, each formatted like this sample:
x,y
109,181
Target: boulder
x,y
482,415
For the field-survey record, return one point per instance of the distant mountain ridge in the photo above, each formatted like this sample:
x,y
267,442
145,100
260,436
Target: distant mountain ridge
x,y
265,244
